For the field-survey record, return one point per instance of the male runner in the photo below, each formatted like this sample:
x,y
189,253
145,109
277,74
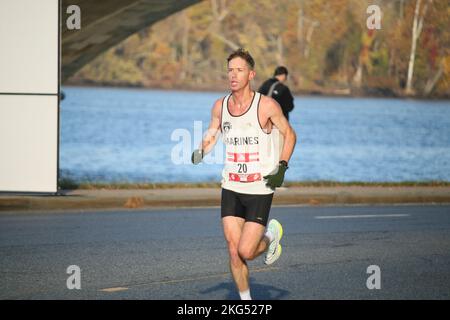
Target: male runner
x,y
253,167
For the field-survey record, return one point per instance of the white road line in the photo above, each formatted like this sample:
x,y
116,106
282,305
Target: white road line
x,y
363,216
116,289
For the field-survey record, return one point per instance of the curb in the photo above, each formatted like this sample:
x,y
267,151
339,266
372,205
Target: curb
x,y
160,198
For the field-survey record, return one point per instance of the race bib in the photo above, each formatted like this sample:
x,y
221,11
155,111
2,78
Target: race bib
x,y
243,167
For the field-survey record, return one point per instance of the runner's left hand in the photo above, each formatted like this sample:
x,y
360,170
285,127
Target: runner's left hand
x,y
276,180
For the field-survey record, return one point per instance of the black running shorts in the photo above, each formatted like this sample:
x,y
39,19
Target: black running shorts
x,y
251,207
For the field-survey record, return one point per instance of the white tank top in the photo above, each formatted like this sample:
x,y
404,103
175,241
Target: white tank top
x,y
250,152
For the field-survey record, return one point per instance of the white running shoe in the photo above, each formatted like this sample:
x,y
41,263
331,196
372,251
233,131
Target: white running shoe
x,y
274,249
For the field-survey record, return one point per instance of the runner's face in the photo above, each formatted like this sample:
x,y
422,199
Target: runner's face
x,y
239,73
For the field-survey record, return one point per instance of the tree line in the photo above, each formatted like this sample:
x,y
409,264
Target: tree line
x,y
326,45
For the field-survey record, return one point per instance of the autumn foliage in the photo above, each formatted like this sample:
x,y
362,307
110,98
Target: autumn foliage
x,y
325,44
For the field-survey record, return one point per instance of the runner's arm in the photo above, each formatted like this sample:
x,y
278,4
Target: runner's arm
x,y
275,115
213,132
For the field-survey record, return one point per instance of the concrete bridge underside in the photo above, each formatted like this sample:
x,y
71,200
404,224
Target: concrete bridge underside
x,y
104,23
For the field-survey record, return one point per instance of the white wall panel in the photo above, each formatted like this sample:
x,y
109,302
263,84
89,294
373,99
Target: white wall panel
x,y
29,87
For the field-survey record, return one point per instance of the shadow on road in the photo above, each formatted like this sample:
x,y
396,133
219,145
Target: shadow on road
x,y
258,291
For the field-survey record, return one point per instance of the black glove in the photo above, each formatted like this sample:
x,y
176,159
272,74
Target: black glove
x,y
276,180
197,156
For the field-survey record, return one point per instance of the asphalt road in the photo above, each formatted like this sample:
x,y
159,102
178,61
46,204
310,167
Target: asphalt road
x,y
181,254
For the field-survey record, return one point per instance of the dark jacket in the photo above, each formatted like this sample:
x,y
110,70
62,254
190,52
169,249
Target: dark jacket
x,y
281,94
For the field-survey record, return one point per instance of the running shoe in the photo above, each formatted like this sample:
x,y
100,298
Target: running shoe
x,y
274,250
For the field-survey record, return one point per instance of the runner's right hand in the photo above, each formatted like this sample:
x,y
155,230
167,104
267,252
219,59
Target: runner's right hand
x,y
197,156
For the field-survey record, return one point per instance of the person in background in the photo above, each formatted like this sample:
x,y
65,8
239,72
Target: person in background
x,y
276,89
